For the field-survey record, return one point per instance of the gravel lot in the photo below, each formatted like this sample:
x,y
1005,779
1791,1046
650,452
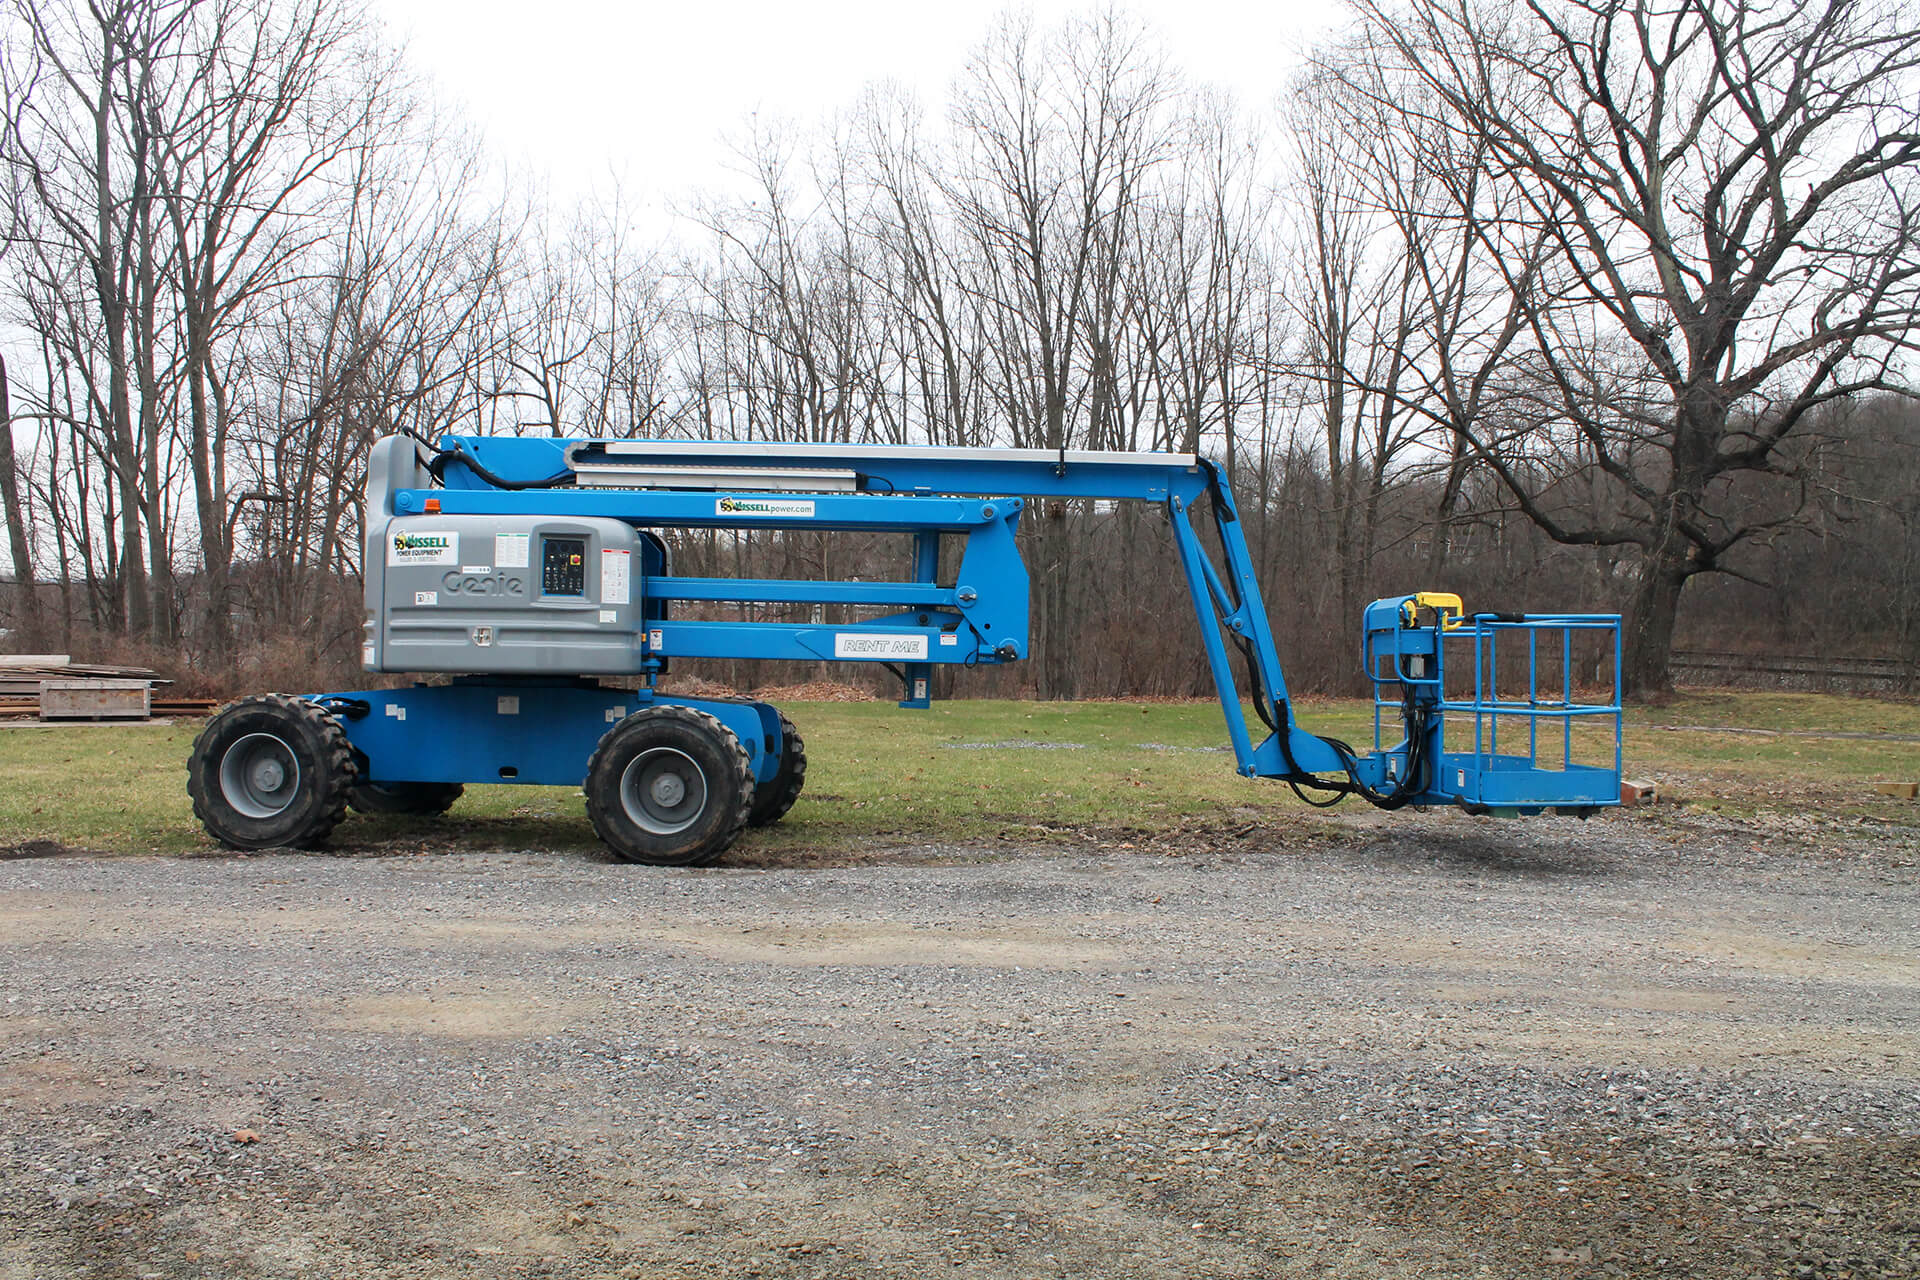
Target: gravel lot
x,y
1425,1045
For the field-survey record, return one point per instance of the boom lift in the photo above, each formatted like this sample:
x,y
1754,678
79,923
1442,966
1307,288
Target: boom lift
x,y
529,569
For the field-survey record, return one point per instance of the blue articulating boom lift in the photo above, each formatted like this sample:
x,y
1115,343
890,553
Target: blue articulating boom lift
x,y
529,569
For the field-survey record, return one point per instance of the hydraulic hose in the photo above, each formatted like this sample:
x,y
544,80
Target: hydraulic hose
x,y
1418,723
463,455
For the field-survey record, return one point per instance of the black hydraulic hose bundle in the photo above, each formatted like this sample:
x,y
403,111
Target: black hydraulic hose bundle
x,y
437,468
1418,722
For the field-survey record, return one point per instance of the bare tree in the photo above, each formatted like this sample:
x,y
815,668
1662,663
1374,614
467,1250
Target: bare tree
x,y
1362,316
26,590
78,88
1726,197
1057,139
398,328
264,107
918,270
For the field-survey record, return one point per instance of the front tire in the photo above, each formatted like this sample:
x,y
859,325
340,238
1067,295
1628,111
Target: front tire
x,y
271,772
669,786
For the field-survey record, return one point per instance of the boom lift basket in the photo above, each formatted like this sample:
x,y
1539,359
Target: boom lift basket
x,y
1523,711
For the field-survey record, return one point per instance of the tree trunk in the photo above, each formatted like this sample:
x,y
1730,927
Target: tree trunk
x,y
1052,636
25,586
216,557
1649,625
1443,516
132,609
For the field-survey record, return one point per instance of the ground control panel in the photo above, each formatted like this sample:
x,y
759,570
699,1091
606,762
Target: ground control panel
x,y
508,594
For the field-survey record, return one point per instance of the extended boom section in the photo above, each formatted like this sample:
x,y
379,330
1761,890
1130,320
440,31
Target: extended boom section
x,y
531,569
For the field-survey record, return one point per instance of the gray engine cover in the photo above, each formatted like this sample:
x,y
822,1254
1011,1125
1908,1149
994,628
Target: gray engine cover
x,y
503,594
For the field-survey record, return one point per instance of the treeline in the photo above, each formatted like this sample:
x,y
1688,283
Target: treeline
x,y
1438,337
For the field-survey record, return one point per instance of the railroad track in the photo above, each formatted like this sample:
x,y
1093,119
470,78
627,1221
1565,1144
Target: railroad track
x,y
1793,671
167,708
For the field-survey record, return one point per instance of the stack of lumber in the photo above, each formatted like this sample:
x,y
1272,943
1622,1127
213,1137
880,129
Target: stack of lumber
x,y
22,677
21,673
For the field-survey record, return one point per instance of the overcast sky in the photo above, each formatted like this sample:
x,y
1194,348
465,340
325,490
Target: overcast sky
x,y
577,91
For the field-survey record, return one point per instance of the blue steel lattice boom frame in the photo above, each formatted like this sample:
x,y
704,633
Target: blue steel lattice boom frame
x,y
971,613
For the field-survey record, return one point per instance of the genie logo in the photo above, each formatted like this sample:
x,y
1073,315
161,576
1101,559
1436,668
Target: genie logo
x,y
482,584
423,546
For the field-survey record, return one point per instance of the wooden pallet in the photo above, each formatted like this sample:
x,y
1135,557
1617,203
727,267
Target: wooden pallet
x,y
96,699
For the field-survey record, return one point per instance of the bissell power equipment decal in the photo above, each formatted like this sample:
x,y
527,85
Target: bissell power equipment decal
x,y
423,546
781,508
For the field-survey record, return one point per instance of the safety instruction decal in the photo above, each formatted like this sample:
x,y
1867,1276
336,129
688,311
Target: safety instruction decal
x,y
510,550
873,648
423,546
615,584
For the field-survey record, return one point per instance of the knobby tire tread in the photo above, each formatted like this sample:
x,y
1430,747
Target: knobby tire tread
x,y
601,807
341,771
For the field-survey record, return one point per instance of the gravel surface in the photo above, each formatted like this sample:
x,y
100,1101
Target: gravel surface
x,y
1425,1045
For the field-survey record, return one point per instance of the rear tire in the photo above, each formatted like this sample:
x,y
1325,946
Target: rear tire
x,y
772,798
271,772
669,786
422,798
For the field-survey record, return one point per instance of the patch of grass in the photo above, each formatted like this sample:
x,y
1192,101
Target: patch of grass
x,y
967,770
1795,753
1783,712
121,788
974,771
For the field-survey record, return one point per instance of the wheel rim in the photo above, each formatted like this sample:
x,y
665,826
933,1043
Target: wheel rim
x,y
260,775
663,791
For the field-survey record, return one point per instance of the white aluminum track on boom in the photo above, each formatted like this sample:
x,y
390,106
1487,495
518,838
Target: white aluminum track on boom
x,y
853,455
651,474
895,469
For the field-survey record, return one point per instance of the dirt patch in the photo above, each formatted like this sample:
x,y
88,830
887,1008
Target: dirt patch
x,y
44,849
815,691
486,1014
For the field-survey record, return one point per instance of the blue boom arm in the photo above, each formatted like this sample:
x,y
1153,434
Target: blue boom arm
x,y
976,611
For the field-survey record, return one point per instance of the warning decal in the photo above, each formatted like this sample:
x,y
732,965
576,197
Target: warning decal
x,y
615,584
510,550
